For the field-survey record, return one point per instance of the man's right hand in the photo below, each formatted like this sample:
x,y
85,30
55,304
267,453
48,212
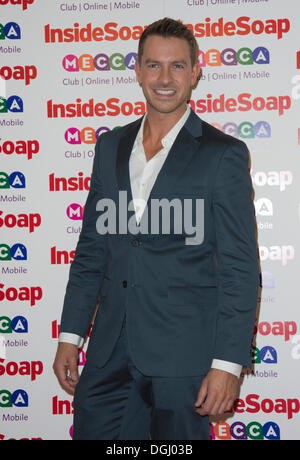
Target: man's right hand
x,y
66,366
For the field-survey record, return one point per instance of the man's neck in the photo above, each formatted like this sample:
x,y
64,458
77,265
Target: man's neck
x,y
157,125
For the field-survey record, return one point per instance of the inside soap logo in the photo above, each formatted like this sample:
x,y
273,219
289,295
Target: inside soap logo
x,y
111,31
231,57
23,3
244,25
14,180
16,252
11,31
101,62
25,73
27,148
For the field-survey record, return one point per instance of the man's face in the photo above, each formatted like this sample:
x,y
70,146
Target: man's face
x,y
166,73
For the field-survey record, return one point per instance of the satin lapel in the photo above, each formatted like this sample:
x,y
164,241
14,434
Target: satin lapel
x,y
122,162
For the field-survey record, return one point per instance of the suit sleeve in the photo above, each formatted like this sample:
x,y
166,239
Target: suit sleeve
x,y
87,269
237,256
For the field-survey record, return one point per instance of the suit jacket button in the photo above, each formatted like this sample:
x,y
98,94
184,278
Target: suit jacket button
x,y
124,283
135,243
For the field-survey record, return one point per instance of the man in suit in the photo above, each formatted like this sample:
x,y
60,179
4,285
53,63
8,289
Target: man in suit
x,y
176,314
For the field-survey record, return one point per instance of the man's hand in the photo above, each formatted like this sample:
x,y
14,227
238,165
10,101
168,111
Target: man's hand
x,y
66,366
218,392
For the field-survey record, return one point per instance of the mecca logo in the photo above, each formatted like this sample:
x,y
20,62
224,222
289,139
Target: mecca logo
x,y
244,102
87,135
13,104
264,207
27,148
231,57
19,325
75,137
101,62
246,130
26,73
267,355
113,107
14,180
75,211
239,431
18,398
10,31
15,252
24,3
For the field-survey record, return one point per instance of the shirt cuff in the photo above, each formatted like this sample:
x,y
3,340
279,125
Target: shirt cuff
x,y
71,338
227,366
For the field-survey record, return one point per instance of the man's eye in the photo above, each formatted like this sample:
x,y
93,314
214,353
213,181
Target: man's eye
x,y
153,66
178,66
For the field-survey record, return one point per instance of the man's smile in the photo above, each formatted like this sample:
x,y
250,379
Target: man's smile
x,y
165,92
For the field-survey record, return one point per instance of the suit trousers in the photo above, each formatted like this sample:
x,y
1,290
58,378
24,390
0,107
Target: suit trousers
x,y
118,402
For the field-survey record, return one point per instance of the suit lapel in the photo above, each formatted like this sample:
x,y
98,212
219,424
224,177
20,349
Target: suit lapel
x,y
123,154
178,158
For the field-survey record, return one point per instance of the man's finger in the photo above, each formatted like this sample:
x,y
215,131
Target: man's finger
x,y
210,402
66,367
202,394
67,379
73,369
226,406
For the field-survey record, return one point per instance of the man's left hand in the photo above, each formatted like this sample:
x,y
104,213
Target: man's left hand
x,y
218,392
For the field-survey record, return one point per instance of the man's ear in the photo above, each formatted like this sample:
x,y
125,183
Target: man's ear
x,y
196,75
137,69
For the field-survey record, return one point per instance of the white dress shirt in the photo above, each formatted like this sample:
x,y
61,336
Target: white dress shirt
x,y
143,175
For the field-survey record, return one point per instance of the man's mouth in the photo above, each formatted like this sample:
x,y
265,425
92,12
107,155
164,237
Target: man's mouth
x,y
165,92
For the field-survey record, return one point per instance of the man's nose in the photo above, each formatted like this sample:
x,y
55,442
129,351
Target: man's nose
x,y
165,76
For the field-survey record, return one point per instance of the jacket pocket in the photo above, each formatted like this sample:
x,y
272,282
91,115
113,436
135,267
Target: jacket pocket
x,y
183,295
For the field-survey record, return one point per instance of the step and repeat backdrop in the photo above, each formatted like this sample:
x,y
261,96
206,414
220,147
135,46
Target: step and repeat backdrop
x,y
66,77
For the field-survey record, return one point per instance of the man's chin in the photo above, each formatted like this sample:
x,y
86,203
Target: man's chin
x,y
166,107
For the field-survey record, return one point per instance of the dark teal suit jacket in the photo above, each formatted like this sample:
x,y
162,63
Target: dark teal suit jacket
x,y
185,304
